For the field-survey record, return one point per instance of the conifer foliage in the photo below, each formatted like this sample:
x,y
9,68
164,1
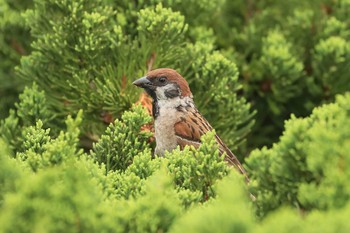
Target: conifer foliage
x,y
76,144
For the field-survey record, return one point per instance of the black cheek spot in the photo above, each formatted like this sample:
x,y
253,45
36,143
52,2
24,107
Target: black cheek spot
x,y
172,93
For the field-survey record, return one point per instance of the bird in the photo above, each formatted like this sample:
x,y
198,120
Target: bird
x,y
177,121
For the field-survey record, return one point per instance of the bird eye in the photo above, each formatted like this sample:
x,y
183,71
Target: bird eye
x,y
162,79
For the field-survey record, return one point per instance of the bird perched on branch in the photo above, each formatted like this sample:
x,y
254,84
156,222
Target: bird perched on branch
x,y
177,121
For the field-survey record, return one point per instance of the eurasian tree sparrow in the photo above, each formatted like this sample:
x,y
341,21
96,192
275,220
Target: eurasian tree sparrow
x,y
177,121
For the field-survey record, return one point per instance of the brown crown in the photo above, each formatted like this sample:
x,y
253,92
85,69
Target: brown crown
x,y
172,76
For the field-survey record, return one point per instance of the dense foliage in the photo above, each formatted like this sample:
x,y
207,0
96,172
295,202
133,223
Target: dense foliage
x,y
272,77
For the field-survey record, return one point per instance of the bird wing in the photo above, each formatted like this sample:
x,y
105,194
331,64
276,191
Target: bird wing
x,y
192,126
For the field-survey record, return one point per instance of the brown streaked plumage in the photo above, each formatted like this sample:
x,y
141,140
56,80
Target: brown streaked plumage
x,y
185,129
177,120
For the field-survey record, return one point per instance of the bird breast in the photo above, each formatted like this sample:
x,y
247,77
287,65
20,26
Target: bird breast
x,y
164,124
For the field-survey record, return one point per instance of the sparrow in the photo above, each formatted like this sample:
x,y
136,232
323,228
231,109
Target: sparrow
x,y
177,121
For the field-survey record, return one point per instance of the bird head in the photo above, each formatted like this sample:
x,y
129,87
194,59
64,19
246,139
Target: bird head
x,y
164,84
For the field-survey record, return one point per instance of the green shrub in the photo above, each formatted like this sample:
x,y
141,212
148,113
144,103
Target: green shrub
x,y
92,68
76,152
15,42
307,167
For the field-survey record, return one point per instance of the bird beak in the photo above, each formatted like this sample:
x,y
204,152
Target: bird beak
x,y
142,82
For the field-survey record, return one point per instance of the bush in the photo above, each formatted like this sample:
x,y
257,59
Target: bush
x,y
15,42
76,147
306,168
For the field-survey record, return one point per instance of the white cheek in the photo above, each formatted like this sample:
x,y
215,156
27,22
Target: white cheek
x,y
160,91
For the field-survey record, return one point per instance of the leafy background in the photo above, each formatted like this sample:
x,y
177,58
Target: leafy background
x,y
271,77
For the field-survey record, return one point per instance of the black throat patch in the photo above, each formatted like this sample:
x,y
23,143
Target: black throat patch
x,y
155,108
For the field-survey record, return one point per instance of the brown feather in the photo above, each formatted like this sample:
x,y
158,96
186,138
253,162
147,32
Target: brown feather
x,y
187,135
184,130
172,76
192,125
